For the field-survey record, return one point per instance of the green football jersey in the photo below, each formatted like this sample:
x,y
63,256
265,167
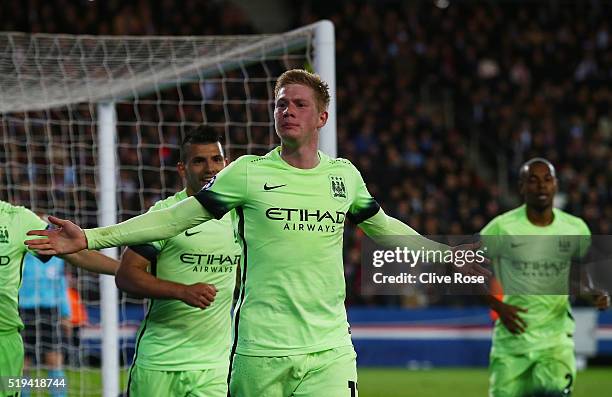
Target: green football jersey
x,y
291,223
15,222
175,336
527,259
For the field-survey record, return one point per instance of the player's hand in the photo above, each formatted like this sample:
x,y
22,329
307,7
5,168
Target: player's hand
x,y
601,300
473,267
596,297
198,295
67,238
509,316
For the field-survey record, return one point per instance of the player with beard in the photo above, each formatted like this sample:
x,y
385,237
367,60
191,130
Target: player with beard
x,y
183,350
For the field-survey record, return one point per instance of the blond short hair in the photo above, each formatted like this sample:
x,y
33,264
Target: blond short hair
x,y
305,78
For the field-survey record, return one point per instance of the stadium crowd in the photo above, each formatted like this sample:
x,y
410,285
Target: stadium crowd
x,y
433,102
522,79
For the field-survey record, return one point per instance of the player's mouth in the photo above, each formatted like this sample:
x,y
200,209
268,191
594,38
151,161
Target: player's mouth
x,y
543,196
289,125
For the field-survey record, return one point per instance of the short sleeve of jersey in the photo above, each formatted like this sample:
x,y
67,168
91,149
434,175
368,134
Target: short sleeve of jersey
x,y
227,190
585,240
489,238
363,206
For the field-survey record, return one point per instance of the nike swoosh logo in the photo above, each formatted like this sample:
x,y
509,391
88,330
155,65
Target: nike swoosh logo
x,y
512,245
187,234
266,187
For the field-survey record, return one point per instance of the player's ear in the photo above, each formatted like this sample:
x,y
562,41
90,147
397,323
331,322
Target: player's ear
x,y
521,187
180,168
322,119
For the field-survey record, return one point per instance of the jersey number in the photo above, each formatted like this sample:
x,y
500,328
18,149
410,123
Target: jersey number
x,y
568,388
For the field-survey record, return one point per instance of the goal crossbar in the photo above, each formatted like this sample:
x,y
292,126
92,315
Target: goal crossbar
x,y
130,64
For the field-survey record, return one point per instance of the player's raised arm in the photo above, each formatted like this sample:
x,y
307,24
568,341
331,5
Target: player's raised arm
x,y
158,225
388,231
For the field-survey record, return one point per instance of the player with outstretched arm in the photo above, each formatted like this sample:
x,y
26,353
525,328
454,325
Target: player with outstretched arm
x,y
291,335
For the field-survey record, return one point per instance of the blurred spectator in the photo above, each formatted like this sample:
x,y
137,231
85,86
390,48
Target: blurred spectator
x,y
437,107
45,311
460,111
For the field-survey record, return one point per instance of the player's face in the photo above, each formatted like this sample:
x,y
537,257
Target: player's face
x,y
539,186
203,161
296,115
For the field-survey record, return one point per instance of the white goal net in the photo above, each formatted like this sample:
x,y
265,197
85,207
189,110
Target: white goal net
x,y
152,90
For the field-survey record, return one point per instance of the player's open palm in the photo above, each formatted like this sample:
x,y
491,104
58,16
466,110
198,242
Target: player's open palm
x,y
67,238
471,264
199,295
509,315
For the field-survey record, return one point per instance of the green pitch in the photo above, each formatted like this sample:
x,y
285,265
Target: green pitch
x,y
374,382
459,382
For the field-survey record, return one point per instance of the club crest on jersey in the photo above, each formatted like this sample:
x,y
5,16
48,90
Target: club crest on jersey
x,y
210,183
4,235
338,188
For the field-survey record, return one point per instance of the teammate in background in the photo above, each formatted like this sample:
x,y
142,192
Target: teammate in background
x,y
45,311
78,318
181,349
533,349
15,221
291,335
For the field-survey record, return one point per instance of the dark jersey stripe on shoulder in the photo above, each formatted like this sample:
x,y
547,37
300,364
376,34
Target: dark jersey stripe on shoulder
x,y
211,203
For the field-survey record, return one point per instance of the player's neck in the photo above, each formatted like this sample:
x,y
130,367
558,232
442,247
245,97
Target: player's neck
x,y
300,156
543,217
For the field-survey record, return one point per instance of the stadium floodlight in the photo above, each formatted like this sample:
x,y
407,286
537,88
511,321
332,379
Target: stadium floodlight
x,y
91,125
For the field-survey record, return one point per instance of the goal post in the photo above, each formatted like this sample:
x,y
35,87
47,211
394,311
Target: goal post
x,y
91,127
107,127
325,66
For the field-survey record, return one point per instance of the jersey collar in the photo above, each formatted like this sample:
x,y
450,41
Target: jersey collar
x,y
182,195
276,155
